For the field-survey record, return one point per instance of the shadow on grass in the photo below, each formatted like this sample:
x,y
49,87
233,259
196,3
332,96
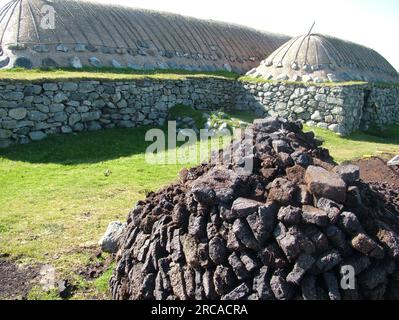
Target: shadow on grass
x,y
92,147
99,146
85,147
387,135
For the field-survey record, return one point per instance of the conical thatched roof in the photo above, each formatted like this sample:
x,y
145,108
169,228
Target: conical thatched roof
x,y
321,58
119,35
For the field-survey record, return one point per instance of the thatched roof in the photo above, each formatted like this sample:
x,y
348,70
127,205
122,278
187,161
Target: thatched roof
x,y
321,58
128,36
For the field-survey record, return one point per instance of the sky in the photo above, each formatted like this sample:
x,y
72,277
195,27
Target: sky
x,y
373,23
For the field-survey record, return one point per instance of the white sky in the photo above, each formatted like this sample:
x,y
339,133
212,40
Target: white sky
x,y
374,23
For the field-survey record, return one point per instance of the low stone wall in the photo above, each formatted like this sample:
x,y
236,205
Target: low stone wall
x,y
381,106
31,111
335,108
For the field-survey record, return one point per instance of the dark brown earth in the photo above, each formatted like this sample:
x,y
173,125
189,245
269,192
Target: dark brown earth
x,y
96,268
382,178
16,280
376,170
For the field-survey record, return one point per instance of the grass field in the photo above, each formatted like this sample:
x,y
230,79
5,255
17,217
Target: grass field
x,y
360,144
59,195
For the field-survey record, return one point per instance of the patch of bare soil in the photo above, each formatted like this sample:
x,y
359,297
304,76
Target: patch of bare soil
x,y
376,170
97,267
382,178
16,280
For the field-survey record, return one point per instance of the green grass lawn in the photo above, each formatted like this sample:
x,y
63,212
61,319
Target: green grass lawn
x,y
58,195
360,144
62,192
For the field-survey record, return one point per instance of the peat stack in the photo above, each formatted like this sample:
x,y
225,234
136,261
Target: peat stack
x,y
283,232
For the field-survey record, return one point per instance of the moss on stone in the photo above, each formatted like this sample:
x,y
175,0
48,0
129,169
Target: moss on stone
x,y
105,73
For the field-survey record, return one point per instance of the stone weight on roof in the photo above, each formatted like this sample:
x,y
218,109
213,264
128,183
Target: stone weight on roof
x,y
34,31
320,58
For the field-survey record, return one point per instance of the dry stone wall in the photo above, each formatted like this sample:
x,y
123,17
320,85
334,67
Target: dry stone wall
x,y
337,108
342,109
31,111
381,106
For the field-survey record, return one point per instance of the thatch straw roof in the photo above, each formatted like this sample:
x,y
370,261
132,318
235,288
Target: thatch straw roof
x,y
321,58
117,35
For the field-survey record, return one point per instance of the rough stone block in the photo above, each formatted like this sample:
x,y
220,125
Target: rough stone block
x,y
348,173
110,241
315,216
324,184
